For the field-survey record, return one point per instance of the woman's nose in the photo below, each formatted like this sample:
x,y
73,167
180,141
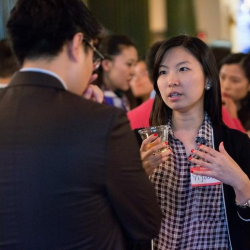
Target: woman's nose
x,y
225,84
132,71
172,79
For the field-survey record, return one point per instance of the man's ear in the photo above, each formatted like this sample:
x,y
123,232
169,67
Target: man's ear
x,y
75,46
106,64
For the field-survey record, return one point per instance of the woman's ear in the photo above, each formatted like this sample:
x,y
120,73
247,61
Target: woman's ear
x,y
106,64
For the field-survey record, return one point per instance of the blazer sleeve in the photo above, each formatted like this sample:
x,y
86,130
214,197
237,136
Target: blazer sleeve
x,y
131,193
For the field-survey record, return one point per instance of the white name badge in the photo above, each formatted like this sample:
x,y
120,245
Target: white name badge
x,y
200,180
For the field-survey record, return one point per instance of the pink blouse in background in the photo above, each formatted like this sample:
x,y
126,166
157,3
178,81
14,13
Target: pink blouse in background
x,y
139,117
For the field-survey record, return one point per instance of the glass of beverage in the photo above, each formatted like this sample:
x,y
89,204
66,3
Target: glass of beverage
x,y
161,131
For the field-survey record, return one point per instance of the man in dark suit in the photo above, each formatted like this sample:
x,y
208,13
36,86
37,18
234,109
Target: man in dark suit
x,y
70,170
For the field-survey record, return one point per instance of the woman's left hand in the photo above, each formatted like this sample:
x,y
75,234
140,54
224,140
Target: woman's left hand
x,y
222,167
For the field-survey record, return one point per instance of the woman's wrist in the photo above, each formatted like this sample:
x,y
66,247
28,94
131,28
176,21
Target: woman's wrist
x,y
242,191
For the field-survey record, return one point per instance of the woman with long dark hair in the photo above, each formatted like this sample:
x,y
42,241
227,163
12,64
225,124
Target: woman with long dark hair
x,y
202,179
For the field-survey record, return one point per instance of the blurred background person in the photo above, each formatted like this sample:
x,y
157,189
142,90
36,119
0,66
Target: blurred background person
x,y
235,87
117,70
141,85
8,63
139,117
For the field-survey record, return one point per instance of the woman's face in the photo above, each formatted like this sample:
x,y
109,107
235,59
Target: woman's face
x,y
181,81
233,81
141,85
120,70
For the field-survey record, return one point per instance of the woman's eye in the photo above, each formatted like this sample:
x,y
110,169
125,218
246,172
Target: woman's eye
x,y
235,81
184,69
162,72
129,64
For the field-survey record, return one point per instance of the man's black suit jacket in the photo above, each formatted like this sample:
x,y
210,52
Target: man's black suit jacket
x,y
70,171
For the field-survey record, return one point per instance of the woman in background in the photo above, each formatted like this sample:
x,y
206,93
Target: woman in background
x,y
235,87
139,116
117,70
141,85
202,178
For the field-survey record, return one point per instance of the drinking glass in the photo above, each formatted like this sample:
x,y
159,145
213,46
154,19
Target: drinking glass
x,y
161,131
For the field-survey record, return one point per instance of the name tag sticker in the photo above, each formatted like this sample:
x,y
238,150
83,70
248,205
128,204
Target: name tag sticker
x,y
200,180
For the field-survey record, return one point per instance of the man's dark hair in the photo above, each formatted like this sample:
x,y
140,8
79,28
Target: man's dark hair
x,y
212,101
8,62
40,28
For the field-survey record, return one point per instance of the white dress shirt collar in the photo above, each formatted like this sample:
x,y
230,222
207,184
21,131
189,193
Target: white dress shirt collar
x,y
3,85
45,72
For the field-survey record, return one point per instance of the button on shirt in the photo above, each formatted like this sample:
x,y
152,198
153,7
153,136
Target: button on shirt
x,y
193,217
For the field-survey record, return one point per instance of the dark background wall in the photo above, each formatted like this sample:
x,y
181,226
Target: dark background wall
x,y
128,17
181,18
131,17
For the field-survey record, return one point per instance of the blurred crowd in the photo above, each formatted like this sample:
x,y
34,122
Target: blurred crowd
x,y
126,80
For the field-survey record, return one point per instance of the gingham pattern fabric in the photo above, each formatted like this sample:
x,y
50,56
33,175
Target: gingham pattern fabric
x,y
193,217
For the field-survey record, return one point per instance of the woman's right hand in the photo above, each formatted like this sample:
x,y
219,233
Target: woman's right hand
x,y
152,153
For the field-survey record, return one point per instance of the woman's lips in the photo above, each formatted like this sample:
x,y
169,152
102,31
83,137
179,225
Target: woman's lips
x,y
226,95
174,96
